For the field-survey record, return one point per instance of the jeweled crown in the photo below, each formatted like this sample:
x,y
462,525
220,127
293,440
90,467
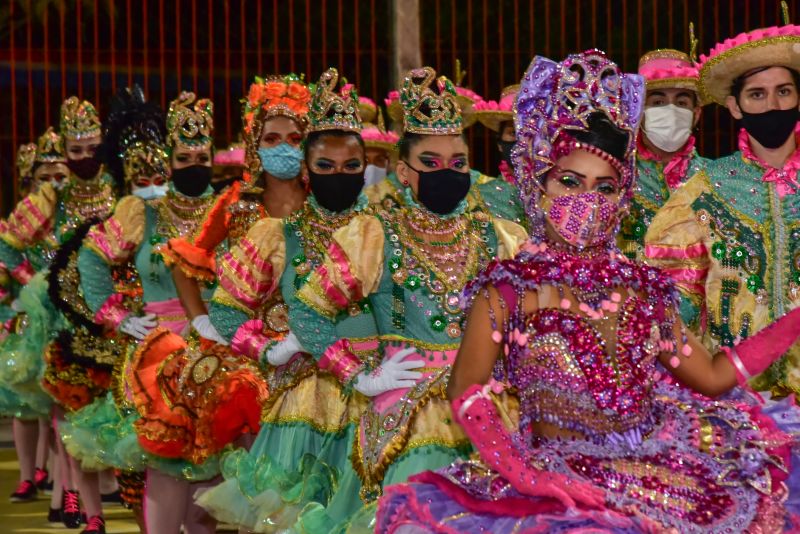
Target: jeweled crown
x,y
79,119
429,104
50,147
331,109
26,157
190,122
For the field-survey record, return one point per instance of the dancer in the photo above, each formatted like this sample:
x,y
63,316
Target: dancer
x,y
411,264
729,236
603,441
499,117
308,422
666,155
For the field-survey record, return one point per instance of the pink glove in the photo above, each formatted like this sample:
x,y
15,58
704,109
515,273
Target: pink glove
x,y
753,355
477,415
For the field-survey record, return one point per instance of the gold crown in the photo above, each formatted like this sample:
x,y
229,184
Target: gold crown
x,y
430,108
79,119
145,158
26,157
50,147
332,110
190,122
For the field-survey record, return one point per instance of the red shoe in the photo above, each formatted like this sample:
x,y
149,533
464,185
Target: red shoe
x,y
96,525
41,480
25,492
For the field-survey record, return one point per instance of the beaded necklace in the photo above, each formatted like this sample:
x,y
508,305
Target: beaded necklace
x,y
440,267
83,201
177,216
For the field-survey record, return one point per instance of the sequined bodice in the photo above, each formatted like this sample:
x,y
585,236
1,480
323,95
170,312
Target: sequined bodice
x,y
570,376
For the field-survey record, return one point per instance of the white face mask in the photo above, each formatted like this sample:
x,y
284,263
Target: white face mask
x,y
150,192
668,127
373,174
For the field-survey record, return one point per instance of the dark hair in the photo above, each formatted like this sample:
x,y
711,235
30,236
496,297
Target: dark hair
x,y
315,137
738,82
603,134
409,140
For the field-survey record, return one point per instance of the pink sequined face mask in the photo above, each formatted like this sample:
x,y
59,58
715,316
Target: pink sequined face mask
x,y
582,220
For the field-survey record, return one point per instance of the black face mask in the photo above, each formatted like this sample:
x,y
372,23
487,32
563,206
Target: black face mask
x,y
84,168
192,181
440,191
505,150
336,192
771,128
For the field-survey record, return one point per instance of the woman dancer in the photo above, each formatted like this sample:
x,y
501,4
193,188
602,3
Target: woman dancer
x,y
605,439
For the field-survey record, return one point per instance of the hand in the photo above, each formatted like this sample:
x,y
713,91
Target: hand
x,y
394,373
16,305
282,352
202,325
138,327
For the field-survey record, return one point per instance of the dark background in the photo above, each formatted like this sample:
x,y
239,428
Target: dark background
x,y
50,49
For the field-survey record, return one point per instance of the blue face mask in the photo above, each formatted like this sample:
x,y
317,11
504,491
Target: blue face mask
x,y
282,161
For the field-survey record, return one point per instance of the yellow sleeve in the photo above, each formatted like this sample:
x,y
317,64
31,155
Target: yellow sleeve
x,y
676,242
510,238
351,270
251,271
117,238
31,219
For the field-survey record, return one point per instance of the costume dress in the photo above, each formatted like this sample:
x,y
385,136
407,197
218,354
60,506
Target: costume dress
x,y
665,458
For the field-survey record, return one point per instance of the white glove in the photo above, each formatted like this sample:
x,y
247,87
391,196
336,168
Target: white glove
x,y
138,327
16,305
282,352
202,324
394,373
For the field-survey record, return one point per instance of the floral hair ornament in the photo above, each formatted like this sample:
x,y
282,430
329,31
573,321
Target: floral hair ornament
x,y
429,104
233,156
376,135
331,109
190,122
492,113
79,119
556,99
777,46
281,95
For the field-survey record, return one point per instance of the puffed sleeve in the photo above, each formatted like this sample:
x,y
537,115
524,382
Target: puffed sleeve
x,y
106,245
351,270
676,243
30,222
510,238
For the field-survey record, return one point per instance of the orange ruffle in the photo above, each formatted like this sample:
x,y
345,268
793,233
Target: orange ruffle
x,y
193,401
71,385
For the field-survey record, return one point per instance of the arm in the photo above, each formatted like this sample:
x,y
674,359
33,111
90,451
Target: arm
x,y
695,367
189,294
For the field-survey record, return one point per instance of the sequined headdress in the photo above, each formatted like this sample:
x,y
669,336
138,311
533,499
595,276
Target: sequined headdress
x,y
331,109
79,119
429,104
557,98
284,95
134,137
26,157
50,147
190,122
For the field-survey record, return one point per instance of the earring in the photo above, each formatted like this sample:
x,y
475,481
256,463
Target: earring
x,y
405,183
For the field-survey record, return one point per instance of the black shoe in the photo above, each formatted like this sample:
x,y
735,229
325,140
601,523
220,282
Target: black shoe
x,y
114,497
71,510
54,515
25,492
41,479
96,525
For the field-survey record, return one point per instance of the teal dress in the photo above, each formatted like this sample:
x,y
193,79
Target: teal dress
x,y
300,453
33,245
103,433
416,304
